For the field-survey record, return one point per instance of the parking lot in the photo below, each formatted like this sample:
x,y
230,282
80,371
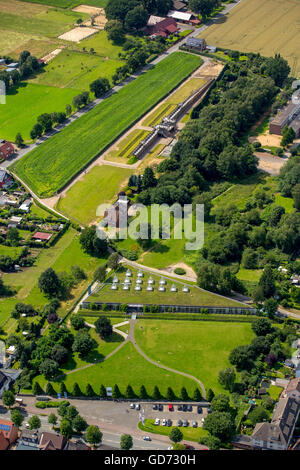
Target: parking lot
x,y
175,413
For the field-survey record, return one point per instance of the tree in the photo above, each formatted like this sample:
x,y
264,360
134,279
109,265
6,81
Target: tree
x,y
34,422
89,392
213,443
126,442
156,393
52,419
240,358
210,395
103,327
8,398
66,429
12,236
45,121
220,403
49,283
100,86
183,394
220,425
129,393
17,417
267,281
68,109
115,31
79,424
113,261
59,354
143,392
176,435
170,394
227,378
205,7
37,389
296,196
36,131
19,141
136,18
91,243
93,435
258,415
76,390
197,395
50,390
71,413
100,273
277,68
261,326
49,368
83,343
102,392
116,392
77,322
149,180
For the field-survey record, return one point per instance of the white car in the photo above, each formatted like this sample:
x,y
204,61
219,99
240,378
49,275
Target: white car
x,y
170,448
132,406
147,438
157,422
164,422
137,406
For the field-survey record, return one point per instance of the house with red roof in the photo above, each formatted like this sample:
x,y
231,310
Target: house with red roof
x,y
8,433
42,236
6,150
158,26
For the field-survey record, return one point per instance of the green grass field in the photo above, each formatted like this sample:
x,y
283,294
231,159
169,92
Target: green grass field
x,y
26,102
123,368
197,348
266,26
196,296
76,70
70,3
99,186
189,433
45,169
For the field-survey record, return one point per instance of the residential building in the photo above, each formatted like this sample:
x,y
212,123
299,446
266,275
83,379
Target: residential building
x,y
184,17
5,179
52,441
158,26
288,116
8,433
195,43
6,150
277,434
42,236
79,444
29,440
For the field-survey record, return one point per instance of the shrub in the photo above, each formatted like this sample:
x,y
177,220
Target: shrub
x,y
180,271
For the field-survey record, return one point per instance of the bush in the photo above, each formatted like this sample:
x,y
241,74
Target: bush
x,y
51,404
179,271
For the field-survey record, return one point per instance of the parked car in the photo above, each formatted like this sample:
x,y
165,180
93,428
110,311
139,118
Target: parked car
x,y
137,406
179,423
189,447
170,448
157,422
147,438
160,407
169,422
171,407
184,407
164,422
199,409
195,424
185,423
154,407
189,408
208,410
179,407
132,405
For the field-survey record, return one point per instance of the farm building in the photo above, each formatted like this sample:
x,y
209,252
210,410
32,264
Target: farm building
x,y
195,43
158,26
5,179
42,236
288,116
6,149
183,17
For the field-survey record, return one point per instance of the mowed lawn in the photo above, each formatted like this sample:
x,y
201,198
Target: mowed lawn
x,y
197,348
99,186
52,165
125,367
25,103
76,70
70,3
265,26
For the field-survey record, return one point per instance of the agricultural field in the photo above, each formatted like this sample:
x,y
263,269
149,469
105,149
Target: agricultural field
x,y
123,150
125,367
195,296
98,186
45,169
264,26
76,70
26,102
205,344
69,3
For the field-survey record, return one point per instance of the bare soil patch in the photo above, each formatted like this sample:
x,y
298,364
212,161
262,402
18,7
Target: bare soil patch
x,y
77,34
272,140
269,163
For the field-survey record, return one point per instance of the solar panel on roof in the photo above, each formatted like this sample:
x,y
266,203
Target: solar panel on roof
x,y
5,427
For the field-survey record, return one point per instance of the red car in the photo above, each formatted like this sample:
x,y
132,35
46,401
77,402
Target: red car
x,y
171,407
